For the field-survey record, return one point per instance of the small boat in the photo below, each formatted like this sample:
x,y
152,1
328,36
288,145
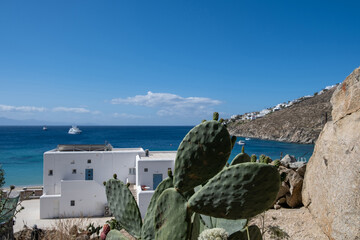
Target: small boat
x,y
241,142
74,130
247,139
44,128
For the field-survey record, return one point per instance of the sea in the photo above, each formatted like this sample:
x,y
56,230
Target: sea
x,y
22,147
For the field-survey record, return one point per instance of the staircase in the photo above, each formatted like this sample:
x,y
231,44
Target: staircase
x,y
132,188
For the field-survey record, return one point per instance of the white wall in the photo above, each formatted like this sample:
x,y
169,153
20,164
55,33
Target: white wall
x,y
143,200
154,167
89,197
49,206
104,165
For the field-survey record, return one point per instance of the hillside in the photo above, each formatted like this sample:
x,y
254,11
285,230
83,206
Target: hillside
x,y
300,123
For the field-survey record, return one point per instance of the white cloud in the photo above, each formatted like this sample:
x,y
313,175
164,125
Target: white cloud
x,y
126,115
8,108
74,110
171,104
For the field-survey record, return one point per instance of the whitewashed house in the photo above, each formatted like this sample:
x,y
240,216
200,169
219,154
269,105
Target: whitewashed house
x,y
73,177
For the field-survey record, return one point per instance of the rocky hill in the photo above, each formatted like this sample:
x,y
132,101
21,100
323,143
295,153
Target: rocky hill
x,y
301,122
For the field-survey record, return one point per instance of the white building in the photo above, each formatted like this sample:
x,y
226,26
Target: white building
x,y
73,177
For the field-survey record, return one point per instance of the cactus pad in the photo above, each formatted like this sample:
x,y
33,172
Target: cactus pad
x,y
239,191
203,152
148,230
123,206
115,235
240,158
172,218
231,226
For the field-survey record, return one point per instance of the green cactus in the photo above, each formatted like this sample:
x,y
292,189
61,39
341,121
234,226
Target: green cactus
x,y
241,157
216,116
228,198
172,218
240,191
276,163
148,229
262,158
123,206
253,158
115,235
203,153
267,160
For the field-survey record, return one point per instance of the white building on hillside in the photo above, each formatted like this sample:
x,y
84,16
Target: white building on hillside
x,y
73,177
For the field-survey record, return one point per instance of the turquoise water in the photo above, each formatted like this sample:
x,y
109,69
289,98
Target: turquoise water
x,y
22,148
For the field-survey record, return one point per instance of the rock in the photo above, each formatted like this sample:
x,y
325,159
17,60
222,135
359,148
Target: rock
x,y
301,170
296,165
332,179
284,189
294,199
276,206
285,161
281,201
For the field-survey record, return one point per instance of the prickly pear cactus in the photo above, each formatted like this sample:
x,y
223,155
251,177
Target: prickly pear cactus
x,y
216,116
240,158
172,218
229,225
203,152
148,229
276,163
253,158
123,206
115,235
239,191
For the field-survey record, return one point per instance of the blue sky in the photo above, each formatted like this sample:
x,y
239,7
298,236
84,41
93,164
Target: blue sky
x,y
168,62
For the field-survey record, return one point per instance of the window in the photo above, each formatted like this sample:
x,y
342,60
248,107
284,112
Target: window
x,y
146,169
89,160
72,162
74,171
132,171
72,203
50,172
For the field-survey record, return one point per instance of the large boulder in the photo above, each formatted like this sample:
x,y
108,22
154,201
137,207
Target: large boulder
x,y
332,180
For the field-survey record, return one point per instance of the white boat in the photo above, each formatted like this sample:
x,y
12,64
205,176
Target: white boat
x,y
44,128
241,142
247,139
74,130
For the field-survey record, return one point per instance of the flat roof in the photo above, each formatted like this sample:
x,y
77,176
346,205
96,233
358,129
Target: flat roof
x,y
160,155
87,149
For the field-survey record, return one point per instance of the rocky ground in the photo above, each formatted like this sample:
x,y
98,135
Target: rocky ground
x,y
299,123
287,223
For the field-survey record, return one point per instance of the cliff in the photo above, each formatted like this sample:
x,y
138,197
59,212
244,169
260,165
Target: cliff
x,y
301,122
